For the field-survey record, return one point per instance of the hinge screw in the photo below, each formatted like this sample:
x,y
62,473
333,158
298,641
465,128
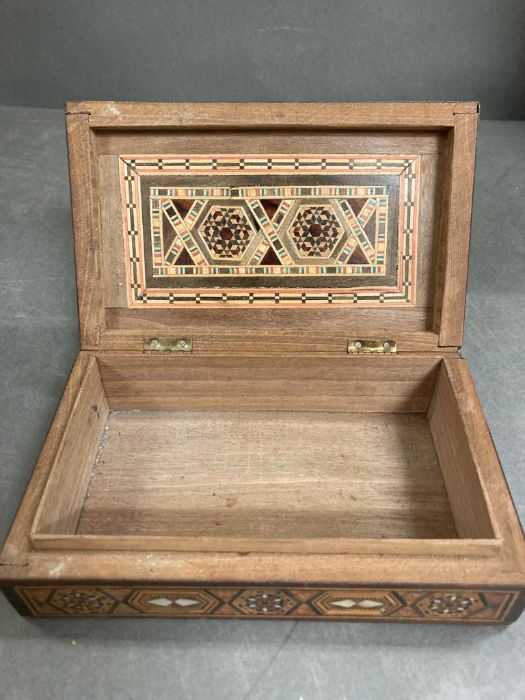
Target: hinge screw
x,y
358,344
183,344
386,346
154,343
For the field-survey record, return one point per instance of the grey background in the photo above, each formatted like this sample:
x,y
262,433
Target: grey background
x,y
55,50
220,50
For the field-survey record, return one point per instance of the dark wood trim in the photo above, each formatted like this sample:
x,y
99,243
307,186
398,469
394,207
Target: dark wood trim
x,y
276,115
86,225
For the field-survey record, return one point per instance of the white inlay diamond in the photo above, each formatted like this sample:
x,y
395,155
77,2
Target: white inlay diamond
x,y
162,602
346,603
166,602
370,604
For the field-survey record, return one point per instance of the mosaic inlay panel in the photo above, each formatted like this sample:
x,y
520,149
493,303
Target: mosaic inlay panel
x,y
270,230
457,605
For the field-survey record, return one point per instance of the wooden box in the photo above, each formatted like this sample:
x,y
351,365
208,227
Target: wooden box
x,y
269,415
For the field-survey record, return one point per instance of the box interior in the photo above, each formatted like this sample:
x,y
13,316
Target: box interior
x,y
274,474
265,454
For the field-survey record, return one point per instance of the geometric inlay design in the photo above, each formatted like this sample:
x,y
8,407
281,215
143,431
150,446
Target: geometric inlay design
x,y
88,601
302,603
174,602
450,604
315,231
269,230
366,603
227,232
264,602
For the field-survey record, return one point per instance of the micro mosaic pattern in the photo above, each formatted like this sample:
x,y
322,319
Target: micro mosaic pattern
x,y
269,230
228,601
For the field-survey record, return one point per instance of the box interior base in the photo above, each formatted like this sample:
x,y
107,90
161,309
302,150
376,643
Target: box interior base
x,y
276,474
266,454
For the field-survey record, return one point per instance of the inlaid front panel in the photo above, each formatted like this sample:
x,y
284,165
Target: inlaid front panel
x,y
451,605
268,230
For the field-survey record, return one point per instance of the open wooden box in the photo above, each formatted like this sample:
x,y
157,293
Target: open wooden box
x,y
269,415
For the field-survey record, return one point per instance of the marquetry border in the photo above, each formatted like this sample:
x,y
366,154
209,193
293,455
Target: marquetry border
x,y
132,167
404,604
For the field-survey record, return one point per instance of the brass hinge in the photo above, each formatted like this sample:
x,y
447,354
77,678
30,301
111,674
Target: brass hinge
x,y
367,347
167,346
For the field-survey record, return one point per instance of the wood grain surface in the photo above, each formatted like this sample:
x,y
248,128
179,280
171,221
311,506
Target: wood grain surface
x,y
66,486
271,475
357,115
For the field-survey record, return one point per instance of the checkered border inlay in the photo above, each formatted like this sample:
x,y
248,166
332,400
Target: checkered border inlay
x,y
139,294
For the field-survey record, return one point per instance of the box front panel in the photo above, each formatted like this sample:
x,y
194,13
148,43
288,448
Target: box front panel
x,y
456,605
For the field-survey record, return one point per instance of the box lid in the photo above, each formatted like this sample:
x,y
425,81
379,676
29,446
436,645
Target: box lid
x,y
272,227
